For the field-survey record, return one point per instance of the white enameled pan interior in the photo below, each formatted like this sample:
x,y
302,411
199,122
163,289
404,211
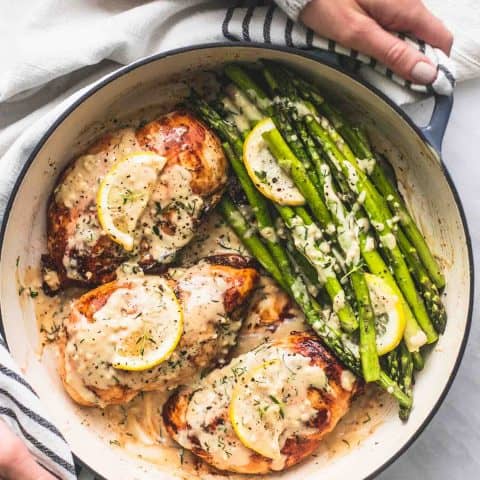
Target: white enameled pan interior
x,y
426,187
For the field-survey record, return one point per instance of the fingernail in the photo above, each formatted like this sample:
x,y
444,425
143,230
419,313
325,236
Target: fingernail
x,y
423,72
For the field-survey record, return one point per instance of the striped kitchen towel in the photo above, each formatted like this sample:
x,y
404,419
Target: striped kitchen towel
x,y
269,24
20,408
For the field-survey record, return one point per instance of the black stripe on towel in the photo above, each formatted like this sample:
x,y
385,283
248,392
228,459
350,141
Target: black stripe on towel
x,y
246,23
226,23
309,39
32,415
373,62
288,33
267,24
422,46
331,45
14,376
447,73
36,443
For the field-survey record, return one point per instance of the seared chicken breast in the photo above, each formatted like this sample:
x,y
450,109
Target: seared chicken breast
x,y
303,400
271,315
190,184
211,297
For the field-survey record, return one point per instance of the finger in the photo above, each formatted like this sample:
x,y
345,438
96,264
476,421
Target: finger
x,y
366,36
16,462
431,29
413,17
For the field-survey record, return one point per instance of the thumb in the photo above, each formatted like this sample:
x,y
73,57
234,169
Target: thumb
x,y
396,54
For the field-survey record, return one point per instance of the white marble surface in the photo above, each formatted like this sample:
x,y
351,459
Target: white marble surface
x,y
449,448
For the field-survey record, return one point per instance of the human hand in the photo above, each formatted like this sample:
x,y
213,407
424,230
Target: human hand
x,y
16,462
365,25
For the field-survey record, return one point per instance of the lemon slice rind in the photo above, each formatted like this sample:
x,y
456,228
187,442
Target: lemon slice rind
x,y
263,445
155,343
124,193
262,167
388,307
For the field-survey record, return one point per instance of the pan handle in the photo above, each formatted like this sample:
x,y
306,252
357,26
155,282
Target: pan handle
x,y
434,131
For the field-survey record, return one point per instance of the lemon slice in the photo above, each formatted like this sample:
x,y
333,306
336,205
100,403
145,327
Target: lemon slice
x,y
256,415
264,170
389,314
124,194
151,323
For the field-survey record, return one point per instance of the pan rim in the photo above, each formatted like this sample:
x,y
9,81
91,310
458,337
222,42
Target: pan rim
x,y
291,51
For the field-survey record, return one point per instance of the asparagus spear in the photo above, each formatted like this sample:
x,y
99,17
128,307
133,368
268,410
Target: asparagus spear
x,y
413,335
343,221
233,148
406,377
368,346
331,337
251,241
289,162
306,236
378,267
359,144
418,360
428,289
398,207
378,214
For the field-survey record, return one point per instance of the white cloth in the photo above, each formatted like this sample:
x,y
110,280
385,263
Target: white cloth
x,y
51,49
293,7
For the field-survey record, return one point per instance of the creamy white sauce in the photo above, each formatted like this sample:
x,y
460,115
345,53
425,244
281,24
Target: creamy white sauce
x,y
133,316
306,239
208,334
369,244
172,199
348,228
295,376
366,164
80,184
235,116
352,176
417,340
242,102
347,380
378,226
388,241
78,192
263,103
339,301
363,223
268,233
214,237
